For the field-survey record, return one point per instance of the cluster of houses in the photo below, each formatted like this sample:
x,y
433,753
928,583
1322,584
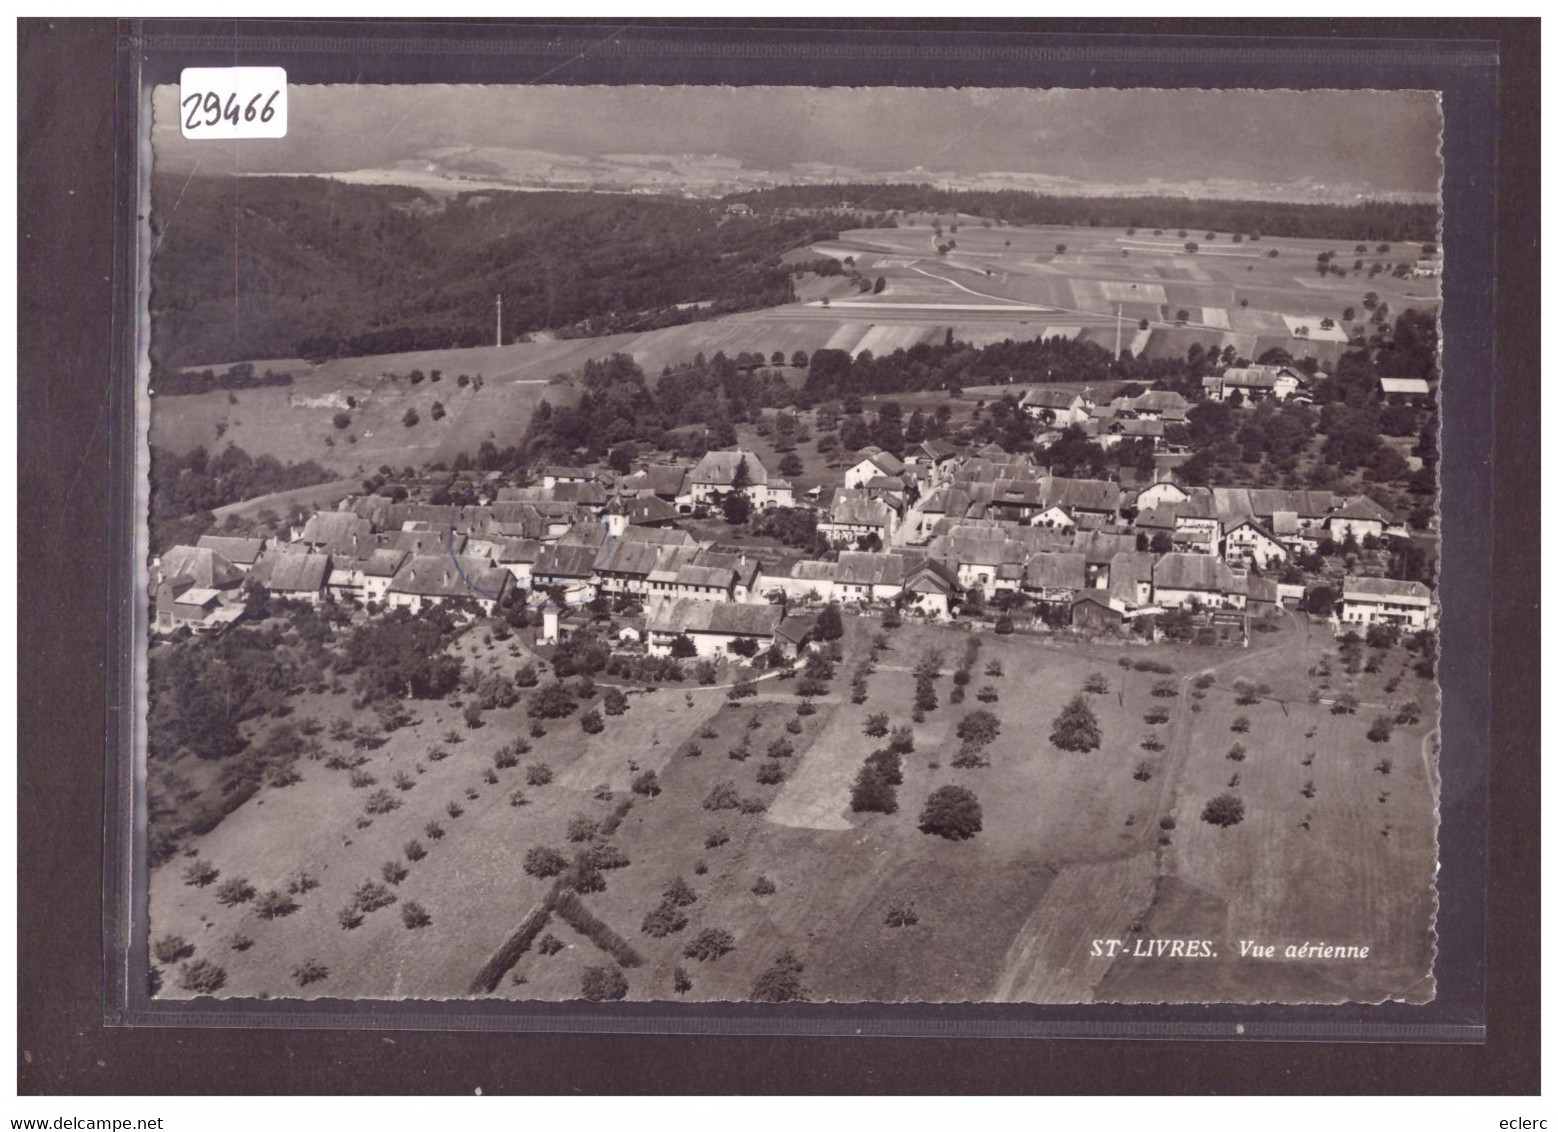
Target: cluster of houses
x,y
936,532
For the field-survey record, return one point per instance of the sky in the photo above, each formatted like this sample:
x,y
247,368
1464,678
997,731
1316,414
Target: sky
x,y
1381,141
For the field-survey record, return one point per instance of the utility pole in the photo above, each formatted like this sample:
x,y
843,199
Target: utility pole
x,y
500,321
1118,324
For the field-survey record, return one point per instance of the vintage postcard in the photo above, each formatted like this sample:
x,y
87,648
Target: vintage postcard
x,y
702,544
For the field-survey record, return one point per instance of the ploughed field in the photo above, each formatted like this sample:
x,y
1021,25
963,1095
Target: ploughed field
x,y
751,809
997,283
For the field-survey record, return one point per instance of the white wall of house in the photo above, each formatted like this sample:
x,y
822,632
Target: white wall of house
x,y
1373,609
1206,599
1252,546
1359,528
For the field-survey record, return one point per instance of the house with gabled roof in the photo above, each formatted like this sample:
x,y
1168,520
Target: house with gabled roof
x,y
287,572
1361,517
853,515
1253,543
180,604
930,588
807,580
863,576
1195,579
1164,405
714,477
366,578
1385,601
1055,406
714,627
1055,578
434,579
1255,382
196,566
241,552
874,464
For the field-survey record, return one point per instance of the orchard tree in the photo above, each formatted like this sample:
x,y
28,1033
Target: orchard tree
x,y
1076,728
952,812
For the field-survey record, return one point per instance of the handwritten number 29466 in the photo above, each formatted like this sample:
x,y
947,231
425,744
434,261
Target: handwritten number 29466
x,y
207,108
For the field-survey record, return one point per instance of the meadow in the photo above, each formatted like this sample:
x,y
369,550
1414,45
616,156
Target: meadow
x,y
1073,846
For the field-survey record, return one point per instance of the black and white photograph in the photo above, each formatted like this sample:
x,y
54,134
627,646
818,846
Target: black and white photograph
x,y
848,544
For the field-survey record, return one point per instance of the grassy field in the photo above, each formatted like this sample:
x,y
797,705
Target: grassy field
x,y
1073,848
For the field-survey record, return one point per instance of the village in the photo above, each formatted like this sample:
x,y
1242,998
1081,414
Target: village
x,y
945,533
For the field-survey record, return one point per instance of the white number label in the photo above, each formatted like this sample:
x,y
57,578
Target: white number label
x,y
233,102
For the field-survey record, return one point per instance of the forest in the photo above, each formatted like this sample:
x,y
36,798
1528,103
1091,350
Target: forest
x,y
186,489
1367,220
285,267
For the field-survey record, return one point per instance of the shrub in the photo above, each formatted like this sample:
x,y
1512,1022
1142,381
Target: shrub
x,y
770,774
876,725
1152,743
1097,683
647,784
202,977
764,887
1004,625
994,669
901,740
979,726
275,903
198,873
1236,753
1076,728
1408,713
710,945
781,982
542,861
901,914
1241,725
987,695
433,830
680,893
607,857
393,872
780,748
715,838
970,756
614,702
1379,732
592,723
753,805
240,942
349,917
1205,681
454,809
681,982
172,948
723,796
1164,689
234,891
664,920
603,984
549,945
1224,810
952,812
742,690
381,802
538,774
1143,772
793,725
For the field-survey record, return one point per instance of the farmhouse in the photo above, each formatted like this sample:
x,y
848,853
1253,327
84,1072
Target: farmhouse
x,y
874,464
1161,405
1055,406
715,476
1386,601
1255,383
1361,518
1250,542
1094,612
364,579
563,564
241,552
1055,578
930,588
853,515
712,626
1195,579
298,575
183,605
807,580
864,577
197,566
431,580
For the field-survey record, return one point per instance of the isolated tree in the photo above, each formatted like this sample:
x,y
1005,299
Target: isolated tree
x,y
1224,810
543,861
979,726
1379,732
736,507
952,812
830,623
872,793
1076,728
